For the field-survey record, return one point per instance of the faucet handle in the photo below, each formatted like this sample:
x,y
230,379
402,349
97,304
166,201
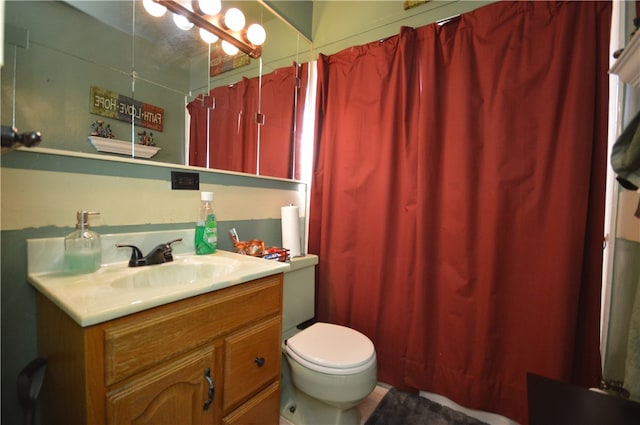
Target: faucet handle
x,y
174,241
168,250
137,259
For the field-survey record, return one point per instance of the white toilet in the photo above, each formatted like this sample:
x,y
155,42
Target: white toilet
x,y
327,369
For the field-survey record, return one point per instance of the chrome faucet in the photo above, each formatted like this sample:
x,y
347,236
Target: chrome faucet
x,y
162,253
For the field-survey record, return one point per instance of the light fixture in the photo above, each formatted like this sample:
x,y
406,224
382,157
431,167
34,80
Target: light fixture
x,y
210,7
182,22
207,37
234,19
153,8
256,34
213,25
228,48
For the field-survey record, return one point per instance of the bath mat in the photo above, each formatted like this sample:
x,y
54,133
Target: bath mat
x,y
401,408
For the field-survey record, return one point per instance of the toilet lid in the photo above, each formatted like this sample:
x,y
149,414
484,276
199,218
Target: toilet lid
x,y
332,349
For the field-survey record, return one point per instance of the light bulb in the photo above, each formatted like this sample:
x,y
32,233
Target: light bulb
x,y
229,48
182,22
234,19
256,34
153,8
210,7
207,37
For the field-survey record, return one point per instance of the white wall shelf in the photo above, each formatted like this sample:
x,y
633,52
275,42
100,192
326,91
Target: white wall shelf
x,y
135,150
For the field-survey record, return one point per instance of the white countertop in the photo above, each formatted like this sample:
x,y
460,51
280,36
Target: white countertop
x,y
97,297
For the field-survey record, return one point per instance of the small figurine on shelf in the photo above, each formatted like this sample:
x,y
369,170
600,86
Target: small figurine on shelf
x,y
145,139
142,137
97,128
100,130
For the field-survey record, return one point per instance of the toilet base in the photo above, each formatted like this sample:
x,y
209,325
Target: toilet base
x,y
306,410
301,409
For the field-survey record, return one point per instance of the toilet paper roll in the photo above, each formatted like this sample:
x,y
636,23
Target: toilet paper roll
x,y
291,229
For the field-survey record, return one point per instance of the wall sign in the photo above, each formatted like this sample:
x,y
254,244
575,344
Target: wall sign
x,y
113,105
220,62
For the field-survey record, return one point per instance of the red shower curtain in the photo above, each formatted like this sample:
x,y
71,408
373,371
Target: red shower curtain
x,y
457,202
223,125
283,94
223,128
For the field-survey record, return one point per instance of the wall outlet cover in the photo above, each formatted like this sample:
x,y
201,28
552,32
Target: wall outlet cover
x,y
181,180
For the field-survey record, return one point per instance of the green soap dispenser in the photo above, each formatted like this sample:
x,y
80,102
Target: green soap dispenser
x,y
82,249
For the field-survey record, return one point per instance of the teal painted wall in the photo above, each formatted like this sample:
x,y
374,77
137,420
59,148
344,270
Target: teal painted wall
x,y
298,13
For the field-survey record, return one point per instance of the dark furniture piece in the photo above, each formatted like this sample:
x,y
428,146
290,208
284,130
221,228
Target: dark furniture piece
x,y
556,403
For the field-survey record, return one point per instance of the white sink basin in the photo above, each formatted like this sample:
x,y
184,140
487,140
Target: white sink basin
x,y
116,290
177,273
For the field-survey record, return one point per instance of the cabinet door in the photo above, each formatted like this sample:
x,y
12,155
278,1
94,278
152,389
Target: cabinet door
x,y
173,393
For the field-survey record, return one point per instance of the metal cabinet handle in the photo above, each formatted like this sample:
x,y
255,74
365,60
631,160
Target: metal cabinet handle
x,y
212,389
259,361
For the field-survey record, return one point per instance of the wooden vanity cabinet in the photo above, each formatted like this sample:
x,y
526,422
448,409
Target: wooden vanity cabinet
x,y
210,359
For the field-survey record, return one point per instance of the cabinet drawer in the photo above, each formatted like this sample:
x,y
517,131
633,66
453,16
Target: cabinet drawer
x,y
137,342
263,409
252,360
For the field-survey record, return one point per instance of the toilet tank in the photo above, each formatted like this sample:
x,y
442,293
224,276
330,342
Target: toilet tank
x,y
298,303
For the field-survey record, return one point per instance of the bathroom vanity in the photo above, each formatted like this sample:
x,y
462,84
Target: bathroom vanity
x,y
157,366
207,352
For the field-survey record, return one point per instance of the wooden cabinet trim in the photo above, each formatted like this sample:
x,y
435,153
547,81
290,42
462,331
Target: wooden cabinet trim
x,y
263,409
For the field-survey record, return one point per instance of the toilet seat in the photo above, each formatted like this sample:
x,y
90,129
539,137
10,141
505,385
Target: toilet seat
x,y
332,349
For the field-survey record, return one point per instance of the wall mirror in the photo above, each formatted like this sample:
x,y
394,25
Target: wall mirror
x,y
66,61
